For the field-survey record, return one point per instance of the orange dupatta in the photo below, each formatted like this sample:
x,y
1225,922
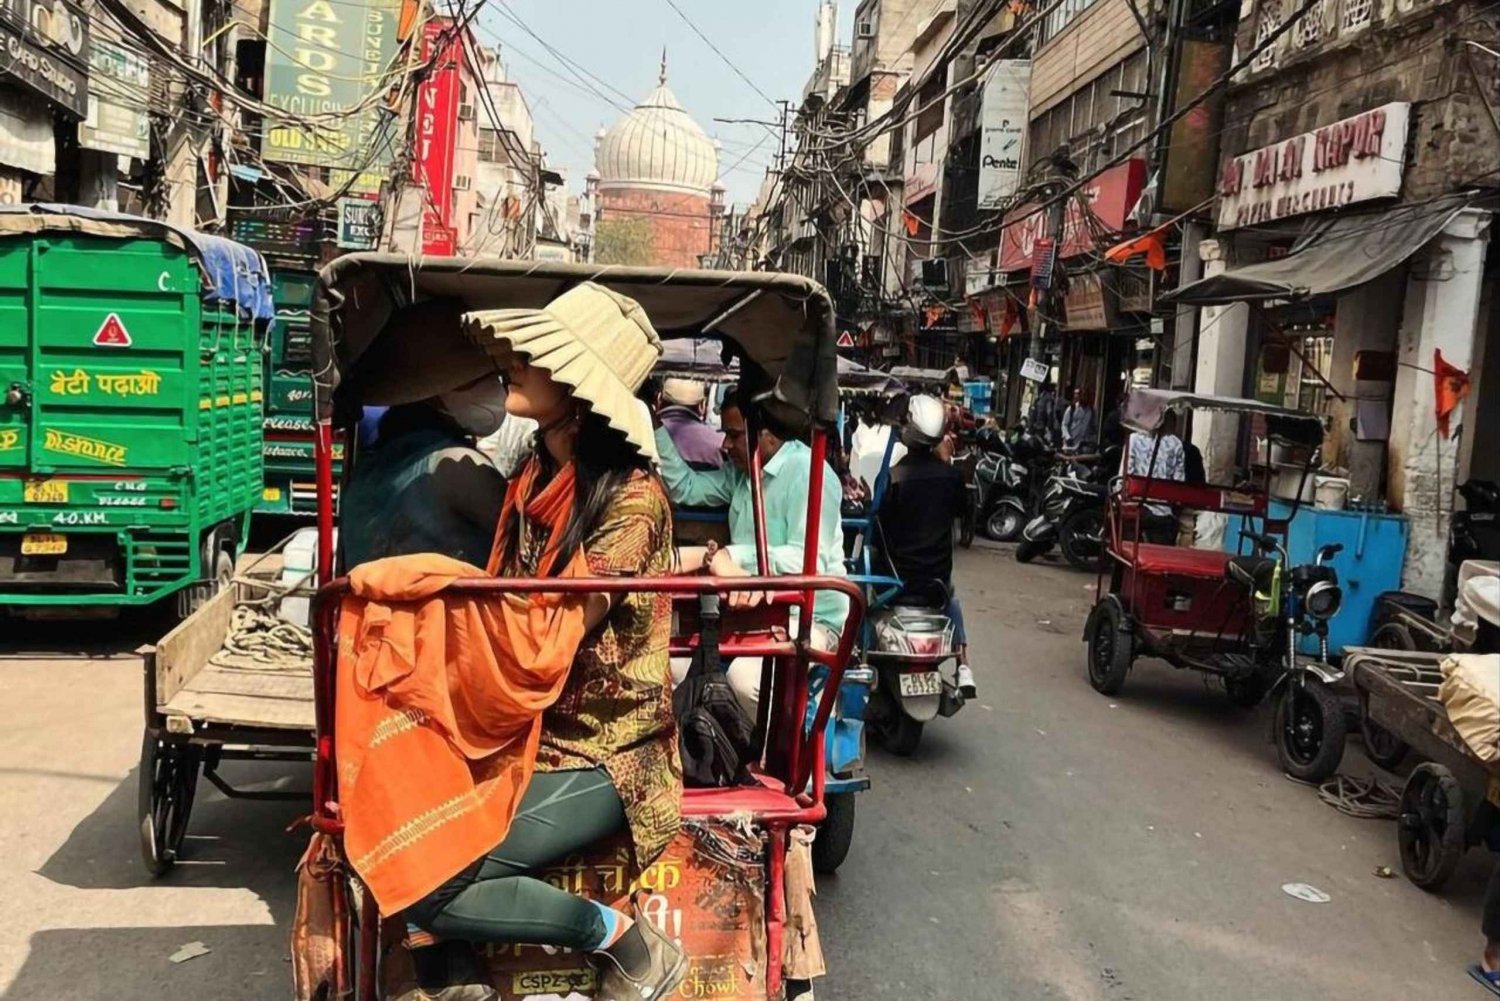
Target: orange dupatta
x,y
438,714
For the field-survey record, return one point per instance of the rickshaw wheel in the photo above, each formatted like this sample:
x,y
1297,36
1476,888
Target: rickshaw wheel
x,y
1310,731
1381,746
898,733
1430,829
1111,648
835,834
167,783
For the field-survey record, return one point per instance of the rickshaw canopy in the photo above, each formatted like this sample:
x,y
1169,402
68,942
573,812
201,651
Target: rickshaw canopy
x,y
780,327
1145,409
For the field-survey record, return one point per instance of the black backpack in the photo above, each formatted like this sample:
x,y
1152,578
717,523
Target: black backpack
x,y
713,732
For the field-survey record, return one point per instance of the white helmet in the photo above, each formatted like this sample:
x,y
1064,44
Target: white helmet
x,y
925,420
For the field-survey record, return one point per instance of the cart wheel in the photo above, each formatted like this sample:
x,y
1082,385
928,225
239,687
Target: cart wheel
x,y
168,779
1430,829
898,733
1394,636
1381,746
1004,523
1111,648
1310,730
1081,539
1246,692
835,834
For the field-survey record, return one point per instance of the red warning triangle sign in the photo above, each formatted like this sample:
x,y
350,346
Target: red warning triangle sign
x,y
112,333
846,340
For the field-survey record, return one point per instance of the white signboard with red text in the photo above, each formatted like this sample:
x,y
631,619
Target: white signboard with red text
x,y
1354,160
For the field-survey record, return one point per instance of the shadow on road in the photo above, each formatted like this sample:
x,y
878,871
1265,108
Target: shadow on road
x,y
79,639
231,844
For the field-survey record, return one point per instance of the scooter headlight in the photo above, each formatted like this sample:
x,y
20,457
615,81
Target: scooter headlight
x,y
1324,600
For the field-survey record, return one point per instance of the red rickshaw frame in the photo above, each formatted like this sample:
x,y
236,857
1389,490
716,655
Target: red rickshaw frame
x,y
789,786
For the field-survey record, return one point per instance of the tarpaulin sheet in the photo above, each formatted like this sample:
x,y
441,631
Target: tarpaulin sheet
x,y
233,272
1329,257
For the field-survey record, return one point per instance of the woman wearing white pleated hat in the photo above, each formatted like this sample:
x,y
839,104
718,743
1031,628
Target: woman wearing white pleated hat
x,y
608,761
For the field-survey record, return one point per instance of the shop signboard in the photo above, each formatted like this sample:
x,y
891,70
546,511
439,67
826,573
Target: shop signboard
x,y
1109,197
327,58
359,223
117,119
44,46
1086,303
1353,160
1002,130
436,134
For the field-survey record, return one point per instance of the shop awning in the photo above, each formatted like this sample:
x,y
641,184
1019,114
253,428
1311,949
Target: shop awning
x,y
1329,257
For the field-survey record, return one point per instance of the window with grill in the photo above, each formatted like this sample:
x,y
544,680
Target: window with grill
x,y
1270,19
1062,16
1357,14
1310,28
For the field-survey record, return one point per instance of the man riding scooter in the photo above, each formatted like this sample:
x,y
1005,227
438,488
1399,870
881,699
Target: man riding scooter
x,y
924,497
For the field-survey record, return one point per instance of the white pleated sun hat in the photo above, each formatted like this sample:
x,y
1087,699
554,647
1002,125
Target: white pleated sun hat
x,y
597,341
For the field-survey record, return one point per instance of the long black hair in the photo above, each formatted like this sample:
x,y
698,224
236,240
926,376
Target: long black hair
x,y
603,462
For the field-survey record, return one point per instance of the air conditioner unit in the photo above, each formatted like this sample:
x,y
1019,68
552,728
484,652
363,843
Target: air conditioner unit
x,y
466,112
462,183
864,29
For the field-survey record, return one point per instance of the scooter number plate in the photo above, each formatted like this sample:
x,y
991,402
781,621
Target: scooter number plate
x,y
925,683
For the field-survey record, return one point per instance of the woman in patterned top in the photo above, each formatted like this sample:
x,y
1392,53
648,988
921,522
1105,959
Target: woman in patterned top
x,y
589,502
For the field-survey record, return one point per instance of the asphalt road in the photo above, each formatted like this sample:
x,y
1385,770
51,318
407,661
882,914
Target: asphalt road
x,y
1046,843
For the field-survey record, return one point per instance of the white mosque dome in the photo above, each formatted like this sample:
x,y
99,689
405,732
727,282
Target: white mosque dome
x,y
657,145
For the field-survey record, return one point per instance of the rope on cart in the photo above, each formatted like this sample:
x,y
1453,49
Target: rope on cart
x,y
260,639
1366,799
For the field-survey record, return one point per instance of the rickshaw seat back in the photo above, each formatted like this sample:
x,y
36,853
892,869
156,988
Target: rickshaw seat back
x,y
1196,496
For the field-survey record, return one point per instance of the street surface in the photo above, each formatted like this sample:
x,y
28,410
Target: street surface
x,y
1047,843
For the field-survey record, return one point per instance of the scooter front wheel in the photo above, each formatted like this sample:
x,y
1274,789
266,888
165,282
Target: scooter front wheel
x,y
1310,730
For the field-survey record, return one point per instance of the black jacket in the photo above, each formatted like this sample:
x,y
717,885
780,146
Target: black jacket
x,y
923,498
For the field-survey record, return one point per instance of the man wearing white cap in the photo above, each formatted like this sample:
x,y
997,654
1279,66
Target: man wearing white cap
x,y
681,408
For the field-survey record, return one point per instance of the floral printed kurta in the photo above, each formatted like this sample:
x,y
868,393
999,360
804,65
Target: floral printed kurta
x,y
615,710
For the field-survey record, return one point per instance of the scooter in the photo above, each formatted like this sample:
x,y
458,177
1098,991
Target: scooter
x,y
1071,516
908,640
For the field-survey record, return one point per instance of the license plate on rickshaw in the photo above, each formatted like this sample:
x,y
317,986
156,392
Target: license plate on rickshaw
x,y
922,683
43,544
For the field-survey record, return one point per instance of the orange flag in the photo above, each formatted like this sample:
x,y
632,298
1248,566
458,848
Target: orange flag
x,y
1450,386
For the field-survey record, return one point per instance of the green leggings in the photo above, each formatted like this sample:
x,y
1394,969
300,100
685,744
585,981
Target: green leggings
x,y
497,899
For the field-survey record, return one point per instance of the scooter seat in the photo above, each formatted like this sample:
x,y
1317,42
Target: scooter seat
x,y
1252,572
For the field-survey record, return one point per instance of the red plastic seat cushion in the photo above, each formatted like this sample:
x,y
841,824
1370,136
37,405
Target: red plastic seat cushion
x,y
1151,557
759,800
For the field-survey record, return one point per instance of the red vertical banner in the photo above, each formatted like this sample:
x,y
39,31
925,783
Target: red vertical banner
x,y
436,134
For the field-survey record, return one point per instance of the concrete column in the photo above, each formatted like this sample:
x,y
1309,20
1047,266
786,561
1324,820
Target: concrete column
x,y
1185,325
1221,370
1442,309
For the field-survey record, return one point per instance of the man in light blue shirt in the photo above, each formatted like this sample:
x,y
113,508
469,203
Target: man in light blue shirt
x,y
786,467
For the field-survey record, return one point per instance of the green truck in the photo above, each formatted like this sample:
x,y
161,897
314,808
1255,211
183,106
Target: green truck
x,y
290,487
131,368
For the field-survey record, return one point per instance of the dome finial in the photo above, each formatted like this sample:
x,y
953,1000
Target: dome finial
x,y
663,78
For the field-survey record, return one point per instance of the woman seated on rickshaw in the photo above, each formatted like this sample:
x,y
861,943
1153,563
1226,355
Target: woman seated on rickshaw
x,y
608,759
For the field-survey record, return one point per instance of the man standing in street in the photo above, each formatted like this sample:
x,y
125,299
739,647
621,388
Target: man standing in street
x,y
1044,411
681,407
1078,422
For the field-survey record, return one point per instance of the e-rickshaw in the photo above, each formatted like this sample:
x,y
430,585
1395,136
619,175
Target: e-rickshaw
x,y
1235,615
721,887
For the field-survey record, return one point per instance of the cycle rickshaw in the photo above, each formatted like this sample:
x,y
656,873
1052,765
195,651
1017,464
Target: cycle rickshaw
x,y
721,886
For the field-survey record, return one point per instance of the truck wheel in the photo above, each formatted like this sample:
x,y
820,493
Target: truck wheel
x,y
835,834
1111,648
1310,730
1430,827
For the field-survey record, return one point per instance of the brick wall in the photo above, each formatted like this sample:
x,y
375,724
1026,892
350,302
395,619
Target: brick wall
x,y
1414,55
681,227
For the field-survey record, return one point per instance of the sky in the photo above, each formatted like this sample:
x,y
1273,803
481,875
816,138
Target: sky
x,y
620,43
